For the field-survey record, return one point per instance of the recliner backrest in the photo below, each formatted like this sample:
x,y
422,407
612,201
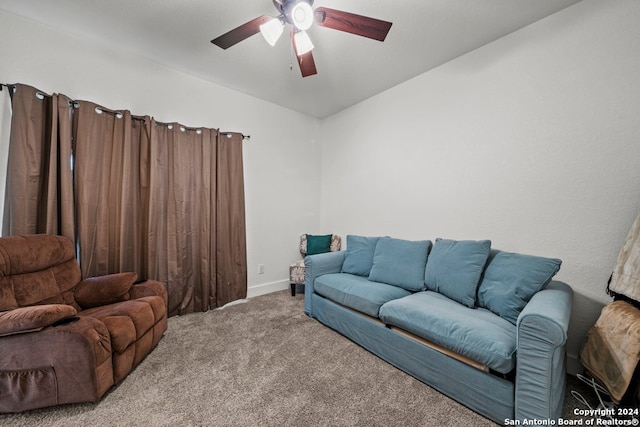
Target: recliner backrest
x,y
37,269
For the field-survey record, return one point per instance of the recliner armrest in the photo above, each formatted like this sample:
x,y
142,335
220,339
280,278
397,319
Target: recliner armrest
x,y
33,318
103,290
149,288
78,355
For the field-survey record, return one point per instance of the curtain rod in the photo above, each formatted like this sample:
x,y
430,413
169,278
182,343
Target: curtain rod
x,y
101,110
241,134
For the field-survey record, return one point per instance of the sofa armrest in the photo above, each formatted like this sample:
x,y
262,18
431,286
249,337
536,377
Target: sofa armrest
x,y
77,356
33,318
149,288
317,265
103,290
541,366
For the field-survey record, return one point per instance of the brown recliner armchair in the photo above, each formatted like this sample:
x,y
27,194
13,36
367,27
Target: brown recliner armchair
x,y
63,339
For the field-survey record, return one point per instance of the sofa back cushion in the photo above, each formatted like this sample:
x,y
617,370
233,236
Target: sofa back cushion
x,y
400,263
359,257
510,280
454,268
37,269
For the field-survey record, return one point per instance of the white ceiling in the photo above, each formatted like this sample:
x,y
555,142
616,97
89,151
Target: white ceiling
x,y
177,33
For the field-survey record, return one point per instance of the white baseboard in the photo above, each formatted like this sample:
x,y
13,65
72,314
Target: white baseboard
x,y
267,288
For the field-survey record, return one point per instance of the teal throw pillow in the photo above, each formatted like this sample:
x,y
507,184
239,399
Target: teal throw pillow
x,y
318,244
510,280
359,257
400,263
454,268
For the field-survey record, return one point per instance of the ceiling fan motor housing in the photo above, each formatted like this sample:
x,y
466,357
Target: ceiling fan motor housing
x,y
286,9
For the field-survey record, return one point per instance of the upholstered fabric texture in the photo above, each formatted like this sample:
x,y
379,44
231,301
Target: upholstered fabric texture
x,y
29,319
454,268
334,246
102,290
359,257
318,244
464,336
37,270
510,280
400,262
357,292
53,352
472,332
296,273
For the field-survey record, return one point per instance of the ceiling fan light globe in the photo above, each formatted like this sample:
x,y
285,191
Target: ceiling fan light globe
x,y
271,30
302,16
302,43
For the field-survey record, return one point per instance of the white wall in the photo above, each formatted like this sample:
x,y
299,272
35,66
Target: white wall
x,y
281,183
532,141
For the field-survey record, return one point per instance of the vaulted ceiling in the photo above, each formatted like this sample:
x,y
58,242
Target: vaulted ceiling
x,y
177,34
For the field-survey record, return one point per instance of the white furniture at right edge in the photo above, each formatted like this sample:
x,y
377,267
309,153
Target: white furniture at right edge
x,y
486,327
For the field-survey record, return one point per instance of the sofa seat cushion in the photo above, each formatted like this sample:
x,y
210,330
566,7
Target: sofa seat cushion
x,y
476,333
357,292
121,330
140,314
158,306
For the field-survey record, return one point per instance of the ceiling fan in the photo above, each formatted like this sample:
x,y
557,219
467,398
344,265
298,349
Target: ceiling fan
x,y
300,15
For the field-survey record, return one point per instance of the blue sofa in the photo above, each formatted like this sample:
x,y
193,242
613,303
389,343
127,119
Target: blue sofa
x,y
486,327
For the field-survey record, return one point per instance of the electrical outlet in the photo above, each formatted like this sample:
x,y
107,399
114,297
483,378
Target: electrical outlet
x,y
260,268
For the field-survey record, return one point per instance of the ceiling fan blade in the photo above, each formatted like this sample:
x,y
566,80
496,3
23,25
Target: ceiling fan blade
x,y
240,33
352,23
305,61
307,64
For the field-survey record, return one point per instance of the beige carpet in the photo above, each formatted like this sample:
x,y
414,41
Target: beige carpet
x,y
260,363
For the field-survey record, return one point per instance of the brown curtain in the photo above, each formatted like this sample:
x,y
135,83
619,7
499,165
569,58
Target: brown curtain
x,y
197,222
39,189
5,136
162,200
230,224
183,182
111,182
